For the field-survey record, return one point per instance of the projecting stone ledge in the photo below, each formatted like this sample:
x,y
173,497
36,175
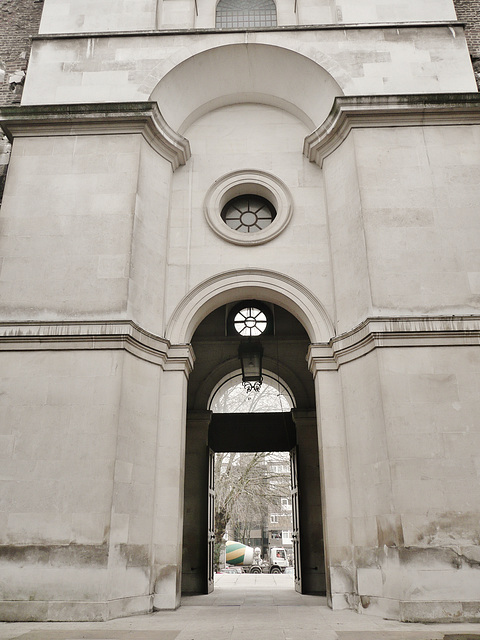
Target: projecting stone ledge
x,y
354,112
86,119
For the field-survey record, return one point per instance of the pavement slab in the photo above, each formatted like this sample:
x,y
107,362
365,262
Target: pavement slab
x,y
244,608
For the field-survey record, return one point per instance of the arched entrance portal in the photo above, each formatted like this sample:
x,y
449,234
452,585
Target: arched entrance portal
x,y
216,348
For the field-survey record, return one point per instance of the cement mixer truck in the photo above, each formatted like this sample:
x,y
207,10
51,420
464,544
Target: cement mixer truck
x,y
241,555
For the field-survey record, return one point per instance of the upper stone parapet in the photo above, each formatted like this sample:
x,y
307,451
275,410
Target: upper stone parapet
x,y
83,16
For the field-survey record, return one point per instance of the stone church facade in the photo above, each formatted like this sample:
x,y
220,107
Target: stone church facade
x,y
140,127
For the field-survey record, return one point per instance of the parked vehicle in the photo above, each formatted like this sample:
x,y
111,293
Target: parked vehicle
x,y
241,555
231,570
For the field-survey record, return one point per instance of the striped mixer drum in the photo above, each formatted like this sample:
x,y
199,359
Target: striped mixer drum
x,y
238,554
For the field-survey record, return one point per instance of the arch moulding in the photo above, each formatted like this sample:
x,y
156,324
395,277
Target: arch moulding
x,y
266,285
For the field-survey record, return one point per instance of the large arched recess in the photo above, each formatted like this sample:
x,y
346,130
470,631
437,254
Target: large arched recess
x,y
200,319
248,72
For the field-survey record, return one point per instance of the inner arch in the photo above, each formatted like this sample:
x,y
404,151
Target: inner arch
x,y
229,396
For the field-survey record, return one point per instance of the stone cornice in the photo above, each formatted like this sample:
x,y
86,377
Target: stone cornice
x,y
289,27
374,333
98,119
389,111
88,335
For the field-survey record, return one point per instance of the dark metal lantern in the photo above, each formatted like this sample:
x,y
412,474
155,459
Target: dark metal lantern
x,y
250,353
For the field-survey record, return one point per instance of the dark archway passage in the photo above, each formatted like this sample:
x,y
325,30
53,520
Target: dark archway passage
x,y
204,429
216,353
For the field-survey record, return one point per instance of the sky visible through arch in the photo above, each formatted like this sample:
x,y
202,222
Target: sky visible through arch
x,y
231,397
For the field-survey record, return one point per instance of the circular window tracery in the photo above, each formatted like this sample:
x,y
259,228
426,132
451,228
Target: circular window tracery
x,y
248,213
250,321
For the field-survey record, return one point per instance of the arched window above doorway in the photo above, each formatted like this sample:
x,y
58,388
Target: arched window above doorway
x,y
230,397
243,14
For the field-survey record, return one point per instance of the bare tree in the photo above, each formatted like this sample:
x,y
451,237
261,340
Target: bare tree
x,y
232,398
245,485
245,488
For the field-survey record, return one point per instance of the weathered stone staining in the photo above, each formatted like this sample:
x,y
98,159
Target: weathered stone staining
x,y
360,123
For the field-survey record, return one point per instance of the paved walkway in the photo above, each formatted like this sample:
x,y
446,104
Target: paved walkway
x,y
244,607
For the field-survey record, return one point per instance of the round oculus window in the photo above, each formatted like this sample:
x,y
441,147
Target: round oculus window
x,y
248,213
248,207
250,321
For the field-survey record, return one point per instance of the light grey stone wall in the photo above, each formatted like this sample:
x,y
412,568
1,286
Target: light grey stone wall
x,y
412,442
149,238
132,510
78,196
80,462
349,266
419,215
378,61
221,141
59,414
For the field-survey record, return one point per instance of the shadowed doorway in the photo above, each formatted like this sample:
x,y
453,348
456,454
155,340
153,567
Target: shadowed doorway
x,y
292,428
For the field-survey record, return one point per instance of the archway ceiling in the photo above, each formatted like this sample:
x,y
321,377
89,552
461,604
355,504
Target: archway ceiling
x,y
236,73
217,356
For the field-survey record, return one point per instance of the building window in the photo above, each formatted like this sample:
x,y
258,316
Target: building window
x,y
248,207
280,468
243,14
273,518
248,213
250,321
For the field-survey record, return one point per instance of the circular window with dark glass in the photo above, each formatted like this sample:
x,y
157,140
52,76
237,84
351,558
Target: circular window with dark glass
x,y
248,213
